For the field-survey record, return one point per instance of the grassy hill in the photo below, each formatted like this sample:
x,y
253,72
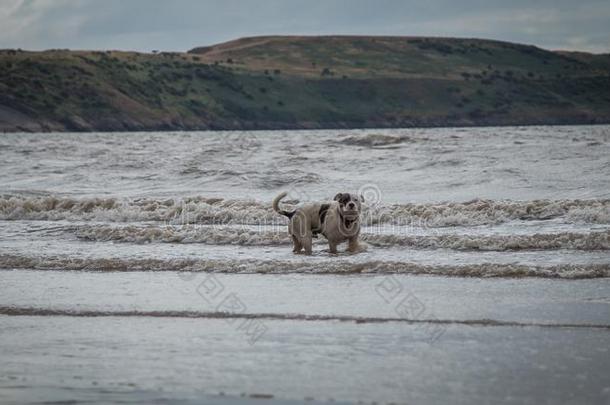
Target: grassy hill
x,y
304,82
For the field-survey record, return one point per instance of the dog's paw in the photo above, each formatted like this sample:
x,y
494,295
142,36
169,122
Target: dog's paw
x,y
362,247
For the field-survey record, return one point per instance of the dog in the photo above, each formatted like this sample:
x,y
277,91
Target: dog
x,y
338,221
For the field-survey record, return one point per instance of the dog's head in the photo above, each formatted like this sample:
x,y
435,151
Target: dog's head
x,y
350,205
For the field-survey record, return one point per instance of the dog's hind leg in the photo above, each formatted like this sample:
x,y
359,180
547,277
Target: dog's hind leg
x,y
307,244
296,245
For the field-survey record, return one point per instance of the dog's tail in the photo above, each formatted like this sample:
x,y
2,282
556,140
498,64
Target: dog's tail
x,y
276,205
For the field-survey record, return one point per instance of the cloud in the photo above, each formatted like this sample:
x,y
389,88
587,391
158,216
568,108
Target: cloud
x,y
26,23
183,24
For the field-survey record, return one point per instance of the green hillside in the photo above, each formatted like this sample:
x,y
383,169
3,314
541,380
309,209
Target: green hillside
x,y
304,82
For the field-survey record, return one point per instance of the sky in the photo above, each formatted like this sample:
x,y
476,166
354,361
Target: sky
x,y
179,25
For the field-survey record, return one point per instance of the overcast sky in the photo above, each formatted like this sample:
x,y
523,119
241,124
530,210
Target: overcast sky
x,y
179,25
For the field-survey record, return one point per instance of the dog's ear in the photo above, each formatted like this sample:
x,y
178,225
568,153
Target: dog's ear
x,y
338,197
361,198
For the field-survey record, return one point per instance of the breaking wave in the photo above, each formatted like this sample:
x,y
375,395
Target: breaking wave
x,y
200,210
487,212
338,267
218,235
248,237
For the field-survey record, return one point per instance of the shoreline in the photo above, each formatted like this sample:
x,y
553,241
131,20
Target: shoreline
x,y
48,130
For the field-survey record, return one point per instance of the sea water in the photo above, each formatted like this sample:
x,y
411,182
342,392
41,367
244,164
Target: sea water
x,y
150,267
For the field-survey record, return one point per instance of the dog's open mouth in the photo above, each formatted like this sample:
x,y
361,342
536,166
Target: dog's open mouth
x,y
351,215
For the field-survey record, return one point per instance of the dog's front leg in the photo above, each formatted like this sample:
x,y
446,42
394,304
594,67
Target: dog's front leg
x,y
332,247
352,245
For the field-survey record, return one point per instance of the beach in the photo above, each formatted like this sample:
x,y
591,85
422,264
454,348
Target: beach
x,y
149,267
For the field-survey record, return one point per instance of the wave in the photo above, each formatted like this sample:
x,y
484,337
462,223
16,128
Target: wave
x,y
217,235
564,240
373,140
489,212
338,267
178,211
32,311
201,210
278,236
